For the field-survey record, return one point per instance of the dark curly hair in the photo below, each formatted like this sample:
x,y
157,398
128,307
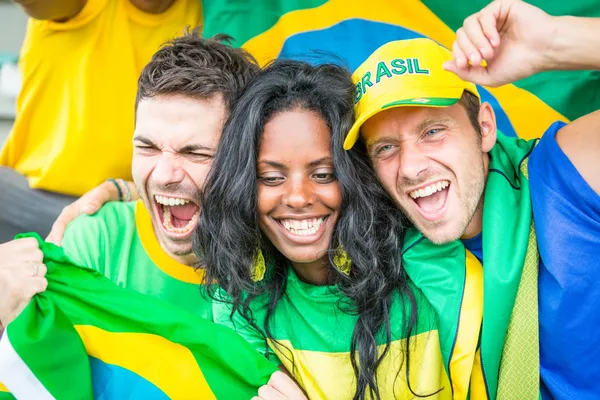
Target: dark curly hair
x,y
370,227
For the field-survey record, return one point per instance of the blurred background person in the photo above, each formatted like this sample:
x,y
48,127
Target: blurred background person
x,y
79,63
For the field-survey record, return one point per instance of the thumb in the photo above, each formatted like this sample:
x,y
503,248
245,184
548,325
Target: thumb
x,y
475,74
56,234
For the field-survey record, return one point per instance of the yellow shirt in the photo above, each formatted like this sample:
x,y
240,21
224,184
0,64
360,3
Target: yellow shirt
x,y
75,112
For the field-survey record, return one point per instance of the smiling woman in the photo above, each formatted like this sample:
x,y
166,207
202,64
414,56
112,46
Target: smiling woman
x,y
306,247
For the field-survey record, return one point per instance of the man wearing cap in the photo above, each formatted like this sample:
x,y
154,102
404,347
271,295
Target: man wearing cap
x,y
483,204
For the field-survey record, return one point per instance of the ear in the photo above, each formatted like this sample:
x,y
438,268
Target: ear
x,y
487,122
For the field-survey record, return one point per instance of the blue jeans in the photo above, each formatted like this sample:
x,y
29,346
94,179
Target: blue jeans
x,y
23,209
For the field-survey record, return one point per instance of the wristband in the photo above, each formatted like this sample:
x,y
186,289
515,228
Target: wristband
x,y
126,190
114,182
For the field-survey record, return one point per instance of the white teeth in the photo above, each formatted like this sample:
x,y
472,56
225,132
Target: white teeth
x,y
168,224
305,227
170,201
429,190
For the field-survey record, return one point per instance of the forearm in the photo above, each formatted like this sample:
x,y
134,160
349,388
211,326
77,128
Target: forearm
x,y
55,10
575,44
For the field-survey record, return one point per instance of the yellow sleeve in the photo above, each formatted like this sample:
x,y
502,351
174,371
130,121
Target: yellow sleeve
x,y
90,11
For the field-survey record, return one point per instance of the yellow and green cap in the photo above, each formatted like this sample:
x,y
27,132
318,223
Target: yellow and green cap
x,y
404,73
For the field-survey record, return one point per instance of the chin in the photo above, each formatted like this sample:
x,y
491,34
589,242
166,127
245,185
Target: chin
x,y
305,257
440,235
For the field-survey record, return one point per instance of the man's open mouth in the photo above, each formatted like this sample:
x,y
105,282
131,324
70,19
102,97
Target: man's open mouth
x,y
177,215
431,199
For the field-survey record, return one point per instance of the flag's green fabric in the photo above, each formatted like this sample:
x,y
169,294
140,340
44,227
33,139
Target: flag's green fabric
x,y
85,337
439,271
348,31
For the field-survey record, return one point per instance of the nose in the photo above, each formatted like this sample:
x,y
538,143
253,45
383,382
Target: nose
x,y
412,161
299,193
168,170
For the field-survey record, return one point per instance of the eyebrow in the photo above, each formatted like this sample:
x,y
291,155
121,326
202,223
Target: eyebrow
x,y
279,165
144,140
420,127
432,121
273,164
185,149
195,147
371,143
319,161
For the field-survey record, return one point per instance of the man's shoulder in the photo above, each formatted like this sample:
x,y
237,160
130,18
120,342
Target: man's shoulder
x,y
91,239
112,215
113,224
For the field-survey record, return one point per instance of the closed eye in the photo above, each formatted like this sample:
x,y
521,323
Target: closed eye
x,y
145,149
199,156
324,177
271,180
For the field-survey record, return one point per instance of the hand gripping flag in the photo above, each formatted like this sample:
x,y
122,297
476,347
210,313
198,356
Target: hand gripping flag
x,y
86,338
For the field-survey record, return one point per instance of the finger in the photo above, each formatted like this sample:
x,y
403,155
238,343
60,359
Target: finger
x,y
41,270
269,393
487,20
57,232
475,74
55,236
21,251
459,56
21,290
91,207
474,32
38,285
467,47
286,385
450,66
68,214
21,244
30,255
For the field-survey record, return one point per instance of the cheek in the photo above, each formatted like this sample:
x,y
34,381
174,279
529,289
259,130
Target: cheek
x,y
268,199
198,173
141,168
331,197
386,171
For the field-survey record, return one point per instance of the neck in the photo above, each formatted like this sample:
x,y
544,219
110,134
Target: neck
x,y
189,259
316,272
476,225
152,6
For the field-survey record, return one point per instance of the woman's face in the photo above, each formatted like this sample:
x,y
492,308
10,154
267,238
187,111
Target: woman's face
x,y
299,198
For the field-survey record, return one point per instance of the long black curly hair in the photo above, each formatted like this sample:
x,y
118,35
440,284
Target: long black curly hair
x,y
370,227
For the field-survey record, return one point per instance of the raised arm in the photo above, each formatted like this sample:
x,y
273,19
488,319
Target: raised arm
x,y
517,40
54,10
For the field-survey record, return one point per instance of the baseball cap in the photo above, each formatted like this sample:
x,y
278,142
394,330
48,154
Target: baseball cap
x,y
404,73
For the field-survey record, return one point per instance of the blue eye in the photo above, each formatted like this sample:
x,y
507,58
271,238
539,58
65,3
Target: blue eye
x,y
432,132
385,148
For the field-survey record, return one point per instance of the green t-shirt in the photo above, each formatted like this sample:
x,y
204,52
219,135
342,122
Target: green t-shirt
x,y
314,338
119,242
